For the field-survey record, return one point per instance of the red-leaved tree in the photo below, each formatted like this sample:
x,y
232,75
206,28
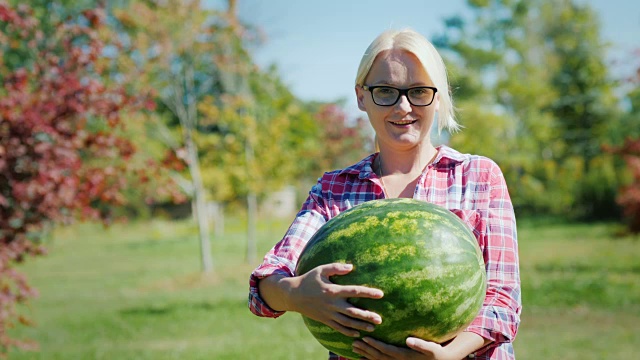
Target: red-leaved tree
x,y
63,153
345,141
629,194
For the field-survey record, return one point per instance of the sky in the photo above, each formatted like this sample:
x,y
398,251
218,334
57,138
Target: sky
x,y
317,45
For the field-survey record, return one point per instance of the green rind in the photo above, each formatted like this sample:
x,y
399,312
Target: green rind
x,y
424,258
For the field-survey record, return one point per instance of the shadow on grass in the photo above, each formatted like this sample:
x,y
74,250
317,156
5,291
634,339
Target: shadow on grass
x,y
586,268
168,309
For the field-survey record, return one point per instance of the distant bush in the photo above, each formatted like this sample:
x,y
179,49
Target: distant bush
x,y
629,194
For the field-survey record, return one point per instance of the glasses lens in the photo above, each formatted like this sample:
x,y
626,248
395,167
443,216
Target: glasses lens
x,y
421,96
385,95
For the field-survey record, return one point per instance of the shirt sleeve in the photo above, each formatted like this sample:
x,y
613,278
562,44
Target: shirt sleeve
x,y
495,229
282,258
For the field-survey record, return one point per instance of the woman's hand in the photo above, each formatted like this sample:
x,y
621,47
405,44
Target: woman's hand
x,y
315,296
418,349
458,348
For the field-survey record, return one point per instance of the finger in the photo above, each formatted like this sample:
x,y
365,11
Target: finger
x,y
380,346
352,323
366,351
360,291
368,316
332,269
423,346
343,329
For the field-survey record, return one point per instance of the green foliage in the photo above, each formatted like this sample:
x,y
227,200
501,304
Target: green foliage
x,y
586,104
63,154
536,96
252,134
488,135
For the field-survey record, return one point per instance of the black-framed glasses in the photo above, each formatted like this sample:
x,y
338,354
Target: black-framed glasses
x,y
388,96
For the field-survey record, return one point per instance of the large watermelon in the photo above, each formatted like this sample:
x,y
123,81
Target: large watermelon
x,y
422,256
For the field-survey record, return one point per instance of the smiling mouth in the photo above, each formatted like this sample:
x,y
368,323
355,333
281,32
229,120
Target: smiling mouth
x,y
403,122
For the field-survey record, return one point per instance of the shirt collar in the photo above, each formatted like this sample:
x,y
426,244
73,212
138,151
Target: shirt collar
x,y
448,155
364,168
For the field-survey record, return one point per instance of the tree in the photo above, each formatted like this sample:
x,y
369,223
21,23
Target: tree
x,y
585,106
197,60
62,149
502,90
628,196
535,71
179,49
344,140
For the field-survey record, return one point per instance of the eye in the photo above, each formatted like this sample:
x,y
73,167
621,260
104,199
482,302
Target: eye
x,y
420,91
386,91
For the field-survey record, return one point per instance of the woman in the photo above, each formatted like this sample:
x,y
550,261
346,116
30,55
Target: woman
x,y
402,85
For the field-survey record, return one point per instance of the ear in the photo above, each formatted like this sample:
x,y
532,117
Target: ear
x,y
360,96
436,101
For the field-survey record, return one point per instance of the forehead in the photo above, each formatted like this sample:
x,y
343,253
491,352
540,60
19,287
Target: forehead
x,y
398,67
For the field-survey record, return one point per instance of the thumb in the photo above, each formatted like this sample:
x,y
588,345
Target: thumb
x,y
335,269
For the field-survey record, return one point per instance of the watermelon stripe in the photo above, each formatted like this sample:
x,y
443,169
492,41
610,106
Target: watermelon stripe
x,y
336,346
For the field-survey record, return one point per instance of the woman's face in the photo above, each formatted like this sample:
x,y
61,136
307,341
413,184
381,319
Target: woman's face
x,y
401,126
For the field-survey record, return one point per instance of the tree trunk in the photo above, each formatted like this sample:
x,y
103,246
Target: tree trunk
x,y
252,205
202,213
252,216
183,104
218,220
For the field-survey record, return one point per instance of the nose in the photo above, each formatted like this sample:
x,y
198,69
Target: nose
x,y
403,103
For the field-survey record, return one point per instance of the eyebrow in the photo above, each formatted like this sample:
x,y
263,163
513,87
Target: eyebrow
x,y
383,83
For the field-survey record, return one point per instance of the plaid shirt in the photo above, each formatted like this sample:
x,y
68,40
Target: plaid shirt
x,y
471,186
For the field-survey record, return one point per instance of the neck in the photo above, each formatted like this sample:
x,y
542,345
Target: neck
x,y
407,162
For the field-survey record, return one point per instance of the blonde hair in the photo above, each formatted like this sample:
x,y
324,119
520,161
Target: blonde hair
x,y
418,45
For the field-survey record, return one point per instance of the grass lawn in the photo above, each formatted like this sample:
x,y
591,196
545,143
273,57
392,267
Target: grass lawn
x,y
134,292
